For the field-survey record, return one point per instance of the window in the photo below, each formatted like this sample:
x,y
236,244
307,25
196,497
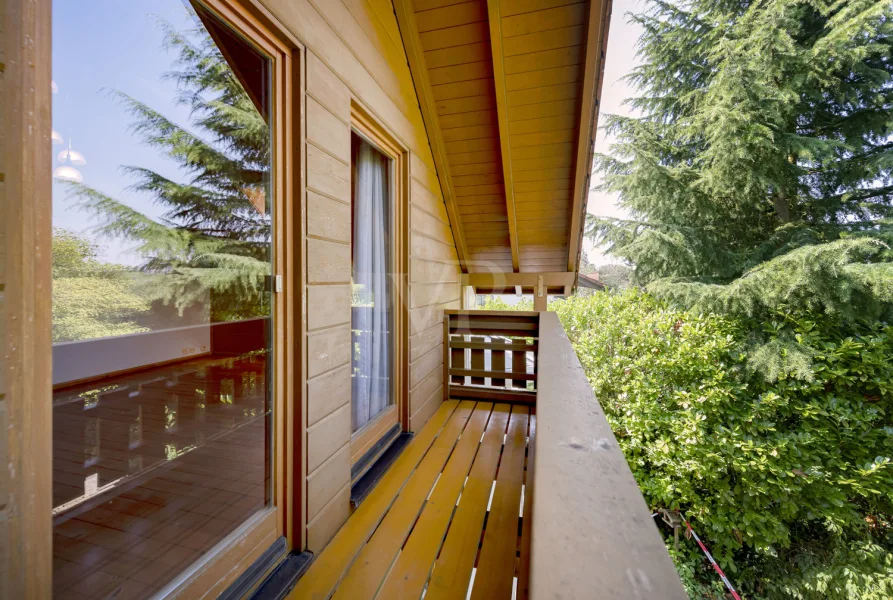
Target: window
x,y
371,283
377,312
163,309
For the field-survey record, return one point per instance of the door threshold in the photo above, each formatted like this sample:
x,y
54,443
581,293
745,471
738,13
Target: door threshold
x,y
365,484
281,581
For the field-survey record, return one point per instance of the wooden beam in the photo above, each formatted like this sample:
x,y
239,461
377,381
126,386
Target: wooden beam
x,y
415,55
511,281
596,36
579,465
540,303
494,374
519,345
502,113
26,162
513,396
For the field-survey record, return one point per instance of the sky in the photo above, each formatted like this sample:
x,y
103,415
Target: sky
x,y
620,60
98,47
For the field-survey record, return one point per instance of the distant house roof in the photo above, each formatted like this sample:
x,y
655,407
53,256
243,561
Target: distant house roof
x,y
589,282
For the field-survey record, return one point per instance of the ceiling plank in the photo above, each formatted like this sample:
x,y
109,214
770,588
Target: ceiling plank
x,y
416,56
596,36
494,12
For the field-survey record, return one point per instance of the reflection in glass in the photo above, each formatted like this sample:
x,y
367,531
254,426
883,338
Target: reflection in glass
x,y
162,308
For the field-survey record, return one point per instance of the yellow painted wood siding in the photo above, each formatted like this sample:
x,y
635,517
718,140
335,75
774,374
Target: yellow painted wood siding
x,y
355,53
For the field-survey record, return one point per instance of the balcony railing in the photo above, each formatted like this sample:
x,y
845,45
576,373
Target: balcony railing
x,y
592,533
490,355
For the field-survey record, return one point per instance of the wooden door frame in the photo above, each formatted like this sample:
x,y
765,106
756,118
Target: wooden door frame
x,y
364,124
26,380
211,575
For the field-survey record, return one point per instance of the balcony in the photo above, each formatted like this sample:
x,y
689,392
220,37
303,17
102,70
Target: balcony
x,y
515,488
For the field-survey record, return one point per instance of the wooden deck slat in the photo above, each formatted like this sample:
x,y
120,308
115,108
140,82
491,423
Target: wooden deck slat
x,y
327,570
452,570
413,567
423,528
496,564
372,564
524,562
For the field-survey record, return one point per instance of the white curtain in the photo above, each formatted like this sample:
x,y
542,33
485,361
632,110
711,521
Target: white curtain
x,y
371,360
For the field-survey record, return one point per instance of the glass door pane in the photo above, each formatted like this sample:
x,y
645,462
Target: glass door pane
x,y
162,254
371,300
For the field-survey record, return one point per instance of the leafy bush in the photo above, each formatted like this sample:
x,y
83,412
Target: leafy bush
x,y
787,473
91,298
497,303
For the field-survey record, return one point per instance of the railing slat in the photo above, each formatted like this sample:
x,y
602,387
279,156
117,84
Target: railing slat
x,y
481,373
504,345
477,363
457,357
519,365
497,364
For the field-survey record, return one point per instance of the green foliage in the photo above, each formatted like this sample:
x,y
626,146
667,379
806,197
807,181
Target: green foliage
x,y
759,172
91,299
213,240
616,277
688,564
754,393
497,303
788,475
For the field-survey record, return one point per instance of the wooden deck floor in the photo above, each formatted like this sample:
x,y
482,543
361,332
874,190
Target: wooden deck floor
x,y
446,520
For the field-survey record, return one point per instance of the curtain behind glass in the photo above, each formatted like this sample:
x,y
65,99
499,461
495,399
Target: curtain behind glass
x,y
371,361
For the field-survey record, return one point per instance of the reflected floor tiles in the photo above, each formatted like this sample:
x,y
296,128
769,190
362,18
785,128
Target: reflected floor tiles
x,y
446,520
152,471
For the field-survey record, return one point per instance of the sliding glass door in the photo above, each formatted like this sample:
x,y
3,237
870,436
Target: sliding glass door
x,y
162,303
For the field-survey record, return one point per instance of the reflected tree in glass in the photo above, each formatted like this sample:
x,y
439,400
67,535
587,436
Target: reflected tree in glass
x,y
213,239
91,298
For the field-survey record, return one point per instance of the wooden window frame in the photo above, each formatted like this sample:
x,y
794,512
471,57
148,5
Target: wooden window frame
x,y
369,128
25,165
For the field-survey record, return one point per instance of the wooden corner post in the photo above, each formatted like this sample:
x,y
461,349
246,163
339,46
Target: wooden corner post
x,y
26,570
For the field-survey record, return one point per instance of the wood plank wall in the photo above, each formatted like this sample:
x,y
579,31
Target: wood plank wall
x,y
355,52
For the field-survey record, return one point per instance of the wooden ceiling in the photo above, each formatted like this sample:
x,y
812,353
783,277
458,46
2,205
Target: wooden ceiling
x,y
509,93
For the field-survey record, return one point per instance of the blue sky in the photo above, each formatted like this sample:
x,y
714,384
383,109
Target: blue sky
x,y
99,46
